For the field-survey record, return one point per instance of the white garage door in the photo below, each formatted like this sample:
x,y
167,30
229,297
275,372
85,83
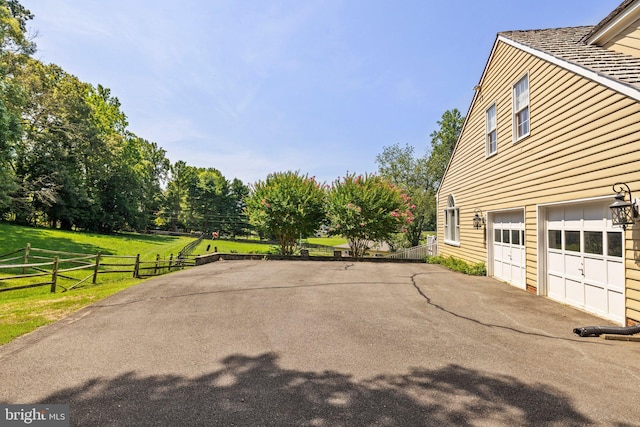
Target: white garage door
x,y
508,247
585,266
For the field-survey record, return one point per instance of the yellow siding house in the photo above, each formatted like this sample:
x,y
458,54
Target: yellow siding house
x,y
553,125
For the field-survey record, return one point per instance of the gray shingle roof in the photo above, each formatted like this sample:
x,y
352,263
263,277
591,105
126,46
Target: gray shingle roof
x,y
617,11
567,44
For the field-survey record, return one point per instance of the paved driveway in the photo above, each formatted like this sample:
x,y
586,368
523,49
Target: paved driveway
x,y
325,344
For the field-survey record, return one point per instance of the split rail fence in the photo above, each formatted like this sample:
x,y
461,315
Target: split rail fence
x,y
33,267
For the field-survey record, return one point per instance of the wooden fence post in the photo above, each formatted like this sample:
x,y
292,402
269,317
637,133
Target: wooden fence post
x,y
170,261
155,270
26,256
54,275
136,267
95,270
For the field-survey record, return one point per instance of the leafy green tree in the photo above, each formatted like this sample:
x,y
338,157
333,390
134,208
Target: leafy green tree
x,y
174,213
13,28
49,158
238,223
443,141
209,200
366,209
15,47
400,166
420,176
287,204
153,170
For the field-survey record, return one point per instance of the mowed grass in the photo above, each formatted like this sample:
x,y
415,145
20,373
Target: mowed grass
x,y
259,247
13,237
24,310
233,246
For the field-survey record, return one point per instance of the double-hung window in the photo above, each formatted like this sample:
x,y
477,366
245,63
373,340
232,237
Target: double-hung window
x,y
452,222
491,131
521,108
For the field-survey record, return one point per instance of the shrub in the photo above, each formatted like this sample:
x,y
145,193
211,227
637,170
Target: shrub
x,y
456,264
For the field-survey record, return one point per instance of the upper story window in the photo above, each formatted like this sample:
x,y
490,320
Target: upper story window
x,y
491,131
452,222
521,108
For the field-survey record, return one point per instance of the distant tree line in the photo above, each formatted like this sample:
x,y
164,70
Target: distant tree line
x,y
68,160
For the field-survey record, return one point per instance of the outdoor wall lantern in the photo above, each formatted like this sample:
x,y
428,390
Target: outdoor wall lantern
x,y
622,212
478,219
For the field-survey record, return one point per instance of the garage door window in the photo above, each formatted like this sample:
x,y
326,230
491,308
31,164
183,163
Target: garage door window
x,y
614,244
555,239
572,241
593,242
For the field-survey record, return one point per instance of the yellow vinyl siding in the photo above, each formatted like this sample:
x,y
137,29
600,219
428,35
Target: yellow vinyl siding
x,y
628,41
584,137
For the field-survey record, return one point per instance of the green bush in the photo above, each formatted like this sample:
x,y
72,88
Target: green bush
x,y
456,264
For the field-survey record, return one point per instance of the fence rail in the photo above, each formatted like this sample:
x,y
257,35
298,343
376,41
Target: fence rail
x,y
57,263
418,252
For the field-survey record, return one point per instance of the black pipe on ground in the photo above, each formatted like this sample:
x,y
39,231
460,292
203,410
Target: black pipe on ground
x,y
594,331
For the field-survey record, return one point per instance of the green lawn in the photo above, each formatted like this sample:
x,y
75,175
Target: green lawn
x,y
327,241
233,246
22,311
14,237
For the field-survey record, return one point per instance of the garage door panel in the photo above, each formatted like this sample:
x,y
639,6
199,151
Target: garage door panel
x,y
615,275
574,291
556,263
517,275
556,287
596,298
595,270
573,217
616,305
594,216
573,265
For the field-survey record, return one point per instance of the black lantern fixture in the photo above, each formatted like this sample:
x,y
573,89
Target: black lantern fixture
x,y
622,212
478,219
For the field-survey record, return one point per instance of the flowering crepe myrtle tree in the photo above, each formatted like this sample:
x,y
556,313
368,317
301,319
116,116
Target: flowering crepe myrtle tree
x,y
367,208
288,205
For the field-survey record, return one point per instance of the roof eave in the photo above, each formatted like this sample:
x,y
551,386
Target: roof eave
x,y
627,13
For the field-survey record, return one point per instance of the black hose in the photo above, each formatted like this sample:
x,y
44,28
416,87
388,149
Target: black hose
x,y
594,331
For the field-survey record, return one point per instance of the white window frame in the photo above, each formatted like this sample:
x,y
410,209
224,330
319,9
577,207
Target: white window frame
x,y
452,222
519,107
491,128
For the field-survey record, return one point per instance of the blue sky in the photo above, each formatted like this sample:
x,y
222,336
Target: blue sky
x,y
253,87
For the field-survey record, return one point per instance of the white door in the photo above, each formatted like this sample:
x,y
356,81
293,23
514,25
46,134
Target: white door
x,y
508,247
585,266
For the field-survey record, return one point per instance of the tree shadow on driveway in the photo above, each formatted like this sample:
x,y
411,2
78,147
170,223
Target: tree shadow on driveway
x,y
256,391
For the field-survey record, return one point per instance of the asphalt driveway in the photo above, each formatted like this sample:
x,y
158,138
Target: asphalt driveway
x,y
257,343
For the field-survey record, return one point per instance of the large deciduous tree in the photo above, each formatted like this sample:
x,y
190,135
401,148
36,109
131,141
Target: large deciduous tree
x,y
400,166
288,205
366,209
443,141
420,177
15,47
